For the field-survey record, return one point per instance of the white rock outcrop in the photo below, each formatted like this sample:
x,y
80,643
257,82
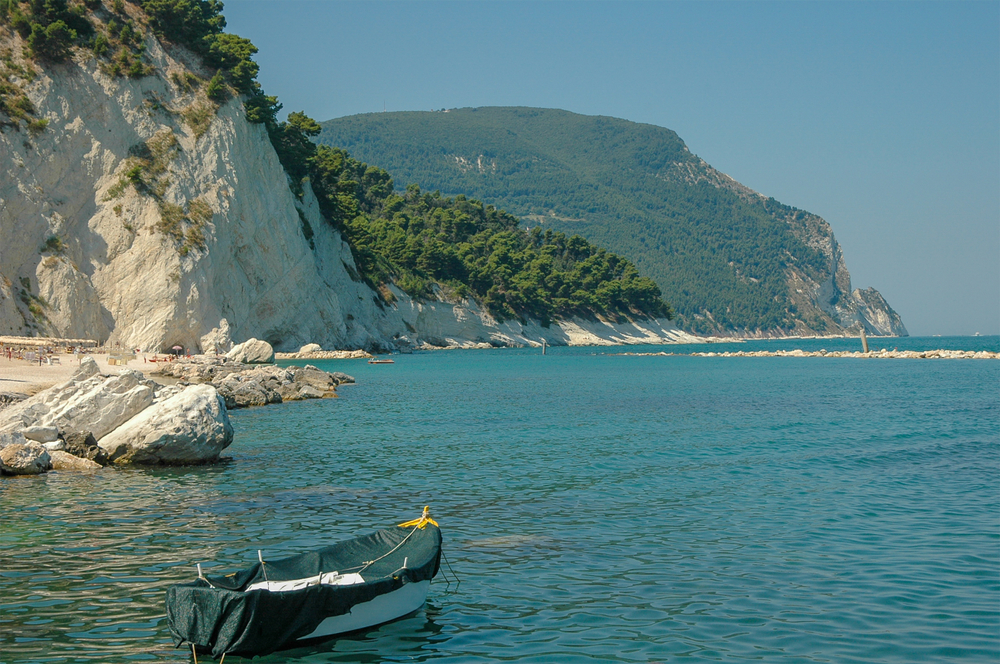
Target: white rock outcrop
x,y
252,351
218,340
97,404
189,427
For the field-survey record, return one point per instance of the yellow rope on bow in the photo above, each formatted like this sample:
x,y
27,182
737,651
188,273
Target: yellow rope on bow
x,y
424,519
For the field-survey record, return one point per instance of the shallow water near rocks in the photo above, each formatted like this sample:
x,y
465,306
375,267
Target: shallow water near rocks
x,y
596,507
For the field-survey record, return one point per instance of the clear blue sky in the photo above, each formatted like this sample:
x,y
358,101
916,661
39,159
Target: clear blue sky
x,y
883,118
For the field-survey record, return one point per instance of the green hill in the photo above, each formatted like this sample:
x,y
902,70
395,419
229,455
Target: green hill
x,y
725,257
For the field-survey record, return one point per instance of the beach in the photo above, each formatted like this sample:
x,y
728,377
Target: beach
x,y
29,378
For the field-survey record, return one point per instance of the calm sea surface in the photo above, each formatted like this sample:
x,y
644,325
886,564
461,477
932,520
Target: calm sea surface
x,y
595,508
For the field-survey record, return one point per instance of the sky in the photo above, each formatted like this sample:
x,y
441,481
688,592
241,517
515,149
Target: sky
x,y
881,117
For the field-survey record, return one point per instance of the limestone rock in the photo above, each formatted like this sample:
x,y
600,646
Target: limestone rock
x,y
55,445
310,348
218,340
97,404
41,434
83,444
189,427
12,438
66,461
88,368
252,351
29,458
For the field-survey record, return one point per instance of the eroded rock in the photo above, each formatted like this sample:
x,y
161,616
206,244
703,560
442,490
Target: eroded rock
x,y
28,458
97,404
189,427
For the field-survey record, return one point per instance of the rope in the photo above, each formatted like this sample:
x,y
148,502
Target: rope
x,y
458,581
369,563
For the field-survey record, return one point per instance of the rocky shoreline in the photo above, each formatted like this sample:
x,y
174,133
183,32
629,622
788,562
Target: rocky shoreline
x,y
94,420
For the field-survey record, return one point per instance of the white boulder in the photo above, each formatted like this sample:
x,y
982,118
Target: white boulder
x,y
190,427
41,434
97,404
310,348
252,351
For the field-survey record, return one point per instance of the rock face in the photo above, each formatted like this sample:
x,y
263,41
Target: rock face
x,y
41,434
252,351
189,427
115,276
218,340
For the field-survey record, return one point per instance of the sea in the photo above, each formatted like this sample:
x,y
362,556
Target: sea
x,y
595,506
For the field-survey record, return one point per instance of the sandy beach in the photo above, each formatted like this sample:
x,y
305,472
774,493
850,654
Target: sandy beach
x,y
29,378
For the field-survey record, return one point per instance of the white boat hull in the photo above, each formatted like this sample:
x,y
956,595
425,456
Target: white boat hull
x,y
377,611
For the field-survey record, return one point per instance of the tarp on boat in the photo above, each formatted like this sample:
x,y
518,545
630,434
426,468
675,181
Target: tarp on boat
x,y
219,614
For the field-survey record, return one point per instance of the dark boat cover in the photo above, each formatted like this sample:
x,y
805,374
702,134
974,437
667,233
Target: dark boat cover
x,y
218,615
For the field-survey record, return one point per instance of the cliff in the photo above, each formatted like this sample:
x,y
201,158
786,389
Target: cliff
x,y
137,212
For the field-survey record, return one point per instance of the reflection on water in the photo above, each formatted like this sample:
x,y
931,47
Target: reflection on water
x,y
595,508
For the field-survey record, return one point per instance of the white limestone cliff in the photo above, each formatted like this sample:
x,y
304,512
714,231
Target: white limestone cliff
x,y
86,254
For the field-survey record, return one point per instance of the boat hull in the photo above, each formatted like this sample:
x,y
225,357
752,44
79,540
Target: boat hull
x,y
381,610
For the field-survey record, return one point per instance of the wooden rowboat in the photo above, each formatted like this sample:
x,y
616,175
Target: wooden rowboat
x,y
346,587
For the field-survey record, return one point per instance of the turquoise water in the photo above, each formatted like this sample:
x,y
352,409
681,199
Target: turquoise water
x,y
595,508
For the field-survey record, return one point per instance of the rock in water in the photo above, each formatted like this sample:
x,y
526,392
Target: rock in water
x,y
83,444
65,461
252,351
29,458
189,427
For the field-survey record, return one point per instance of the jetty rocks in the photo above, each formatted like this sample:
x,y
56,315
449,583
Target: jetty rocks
x,y
93,420
243,385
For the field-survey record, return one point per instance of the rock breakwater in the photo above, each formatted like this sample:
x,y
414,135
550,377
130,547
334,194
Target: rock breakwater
x,y
242,385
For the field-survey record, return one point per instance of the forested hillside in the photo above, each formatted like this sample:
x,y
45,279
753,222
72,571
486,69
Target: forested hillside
x,y
723,255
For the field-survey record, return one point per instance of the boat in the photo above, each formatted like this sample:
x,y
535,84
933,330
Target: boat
x,y
375,360
349,586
